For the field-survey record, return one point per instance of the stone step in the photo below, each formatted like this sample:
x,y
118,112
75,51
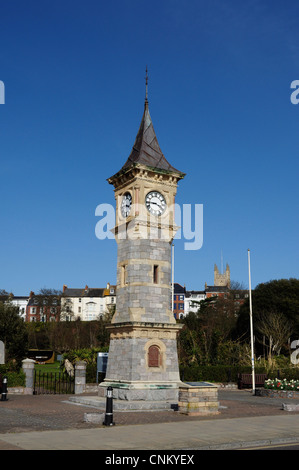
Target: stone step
x,y
122,405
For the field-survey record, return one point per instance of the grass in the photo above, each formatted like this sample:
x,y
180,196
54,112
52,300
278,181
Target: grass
x,y
55,367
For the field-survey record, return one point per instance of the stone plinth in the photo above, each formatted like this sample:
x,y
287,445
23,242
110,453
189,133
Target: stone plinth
x,y
80,377
143,363
141,392
198,398
28,369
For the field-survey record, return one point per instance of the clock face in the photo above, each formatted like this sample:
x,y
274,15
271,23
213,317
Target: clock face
x,y
155,203
126,204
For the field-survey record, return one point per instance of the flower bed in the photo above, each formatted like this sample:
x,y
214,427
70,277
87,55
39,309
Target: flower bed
x,y
284,384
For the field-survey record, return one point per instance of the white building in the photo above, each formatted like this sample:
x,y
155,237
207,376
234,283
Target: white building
x,y
21,302
86,303
192,299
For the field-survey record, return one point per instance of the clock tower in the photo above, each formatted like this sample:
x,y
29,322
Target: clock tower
x,y
143,363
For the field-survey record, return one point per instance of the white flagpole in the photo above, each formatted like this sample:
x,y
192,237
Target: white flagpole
x,y
251,327
172,279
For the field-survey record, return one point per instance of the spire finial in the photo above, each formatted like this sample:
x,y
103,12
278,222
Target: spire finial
x,y
146,84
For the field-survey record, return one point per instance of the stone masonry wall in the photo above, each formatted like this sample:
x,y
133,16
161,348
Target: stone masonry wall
x,y
198,400
127,361
139,298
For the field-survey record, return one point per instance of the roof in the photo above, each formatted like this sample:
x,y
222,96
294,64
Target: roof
x,y
40,299
146,149
20,297
194,292
216,289
178,289
90,292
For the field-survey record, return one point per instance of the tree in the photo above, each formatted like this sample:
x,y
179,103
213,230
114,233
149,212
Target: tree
x,y
13,333
278,299
207,333
276,328
274,296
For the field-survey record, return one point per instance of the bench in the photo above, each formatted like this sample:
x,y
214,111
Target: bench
x,y
245,380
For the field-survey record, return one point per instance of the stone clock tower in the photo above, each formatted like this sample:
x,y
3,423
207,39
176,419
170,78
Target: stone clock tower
x,y
143,362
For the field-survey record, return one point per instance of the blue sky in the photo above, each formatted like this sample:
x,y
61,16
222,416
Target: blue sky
x,y
219,95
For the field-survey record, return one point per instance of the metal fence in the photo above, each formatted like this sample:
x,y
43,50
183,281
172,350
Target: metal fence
x,y
53,383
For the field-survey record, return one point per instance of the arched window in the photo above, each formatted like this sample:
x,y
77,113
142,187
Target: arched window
x,y
154,356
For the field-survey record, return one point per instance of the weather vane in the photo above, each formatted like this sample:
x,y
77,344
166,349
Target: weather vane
x,y
146,83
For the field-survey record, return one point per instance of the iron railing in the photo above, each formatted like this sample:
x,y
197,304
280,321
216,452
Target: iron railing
x,y
53,383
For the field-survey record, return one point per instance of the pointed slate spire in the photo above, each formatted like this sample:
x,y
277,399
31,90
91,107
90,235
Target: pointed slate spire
x,y
146,149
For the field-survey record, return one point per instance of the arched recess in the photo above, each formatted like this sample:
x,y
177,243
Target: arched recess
x,y
155,354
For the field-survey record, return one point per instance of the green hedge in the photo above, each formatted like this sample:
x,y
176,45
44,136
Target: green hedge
x,y
14,379
230,373
214,373
288,373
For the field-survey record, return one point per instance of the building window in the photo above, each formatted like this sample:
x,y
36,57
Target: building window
x,y
156,274
123,279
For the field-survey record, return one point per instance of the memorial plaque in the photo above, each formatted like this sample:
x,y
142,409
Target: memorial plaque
x,y
154,356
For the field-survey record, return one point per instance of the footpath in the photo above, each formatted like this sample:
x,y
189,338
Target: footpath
x,y
51,422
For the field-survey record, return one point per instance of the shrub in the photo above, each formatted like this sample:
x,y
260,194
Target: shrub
x,y
14,378
284,384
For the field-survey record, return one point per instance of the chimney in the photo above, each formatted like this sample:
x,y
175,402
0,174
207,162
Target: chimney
x,y
64,287
31,295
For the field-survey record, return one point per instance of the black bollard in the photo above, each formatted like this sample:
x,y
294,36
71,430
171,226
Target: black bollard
x,y
109,408
4,389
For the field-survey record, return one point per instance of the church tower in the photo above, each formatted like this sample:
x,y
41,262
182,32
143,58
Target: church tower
x,y
222,279
143,362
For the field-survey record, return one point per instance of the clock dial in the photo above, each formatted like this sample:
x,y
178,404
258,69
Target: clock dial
x,y
126,204
155,203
